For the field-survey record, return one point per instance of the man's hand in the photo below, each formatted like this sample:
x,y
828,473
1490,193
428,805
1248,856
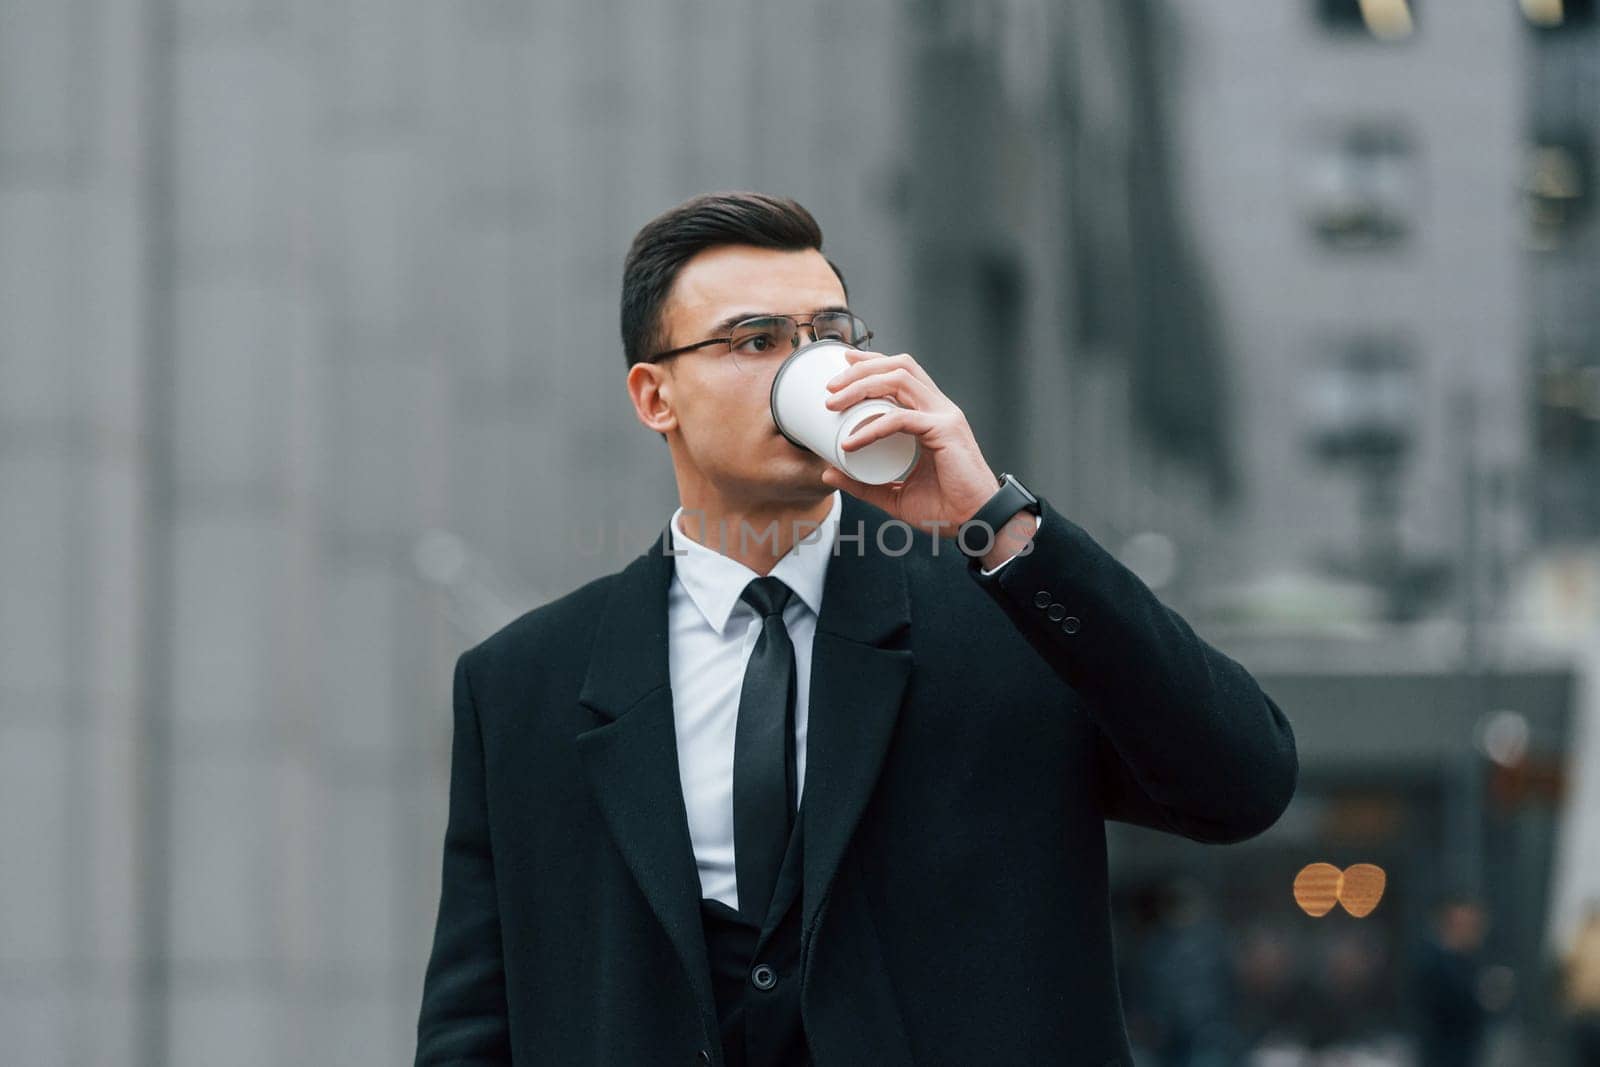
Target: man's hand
x,y
951,480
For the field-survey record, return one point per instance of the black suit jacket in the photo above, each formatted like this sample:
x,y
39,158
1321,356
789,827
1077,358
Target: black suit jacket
x,y
965,745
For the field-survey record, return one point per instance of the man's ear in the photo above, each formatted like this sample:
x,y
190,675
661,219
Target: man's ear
x,y
649,388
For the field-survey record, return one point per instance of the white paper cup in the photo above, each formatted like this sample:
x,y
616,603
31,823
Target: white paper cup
x,y
799,407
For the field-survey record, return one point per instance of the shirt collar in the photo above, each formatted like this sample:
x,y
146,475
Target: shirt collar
x,y
714,581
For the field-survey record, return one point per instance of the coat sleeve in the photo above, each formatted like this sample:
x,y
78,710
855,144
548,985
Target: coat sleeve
x,y
1186,741
463,1019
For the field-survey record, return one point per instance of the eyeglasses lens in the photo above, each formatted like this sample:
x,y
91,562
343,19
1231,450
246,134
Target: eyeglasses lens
x,y
757,345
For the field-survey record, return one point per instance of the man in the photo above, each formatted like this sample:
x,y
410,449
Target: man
x,y
814,780
1449,975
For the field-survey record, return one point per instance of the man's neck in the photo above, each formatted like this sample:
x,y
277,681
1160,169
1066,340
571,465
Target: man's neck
x,y
757,536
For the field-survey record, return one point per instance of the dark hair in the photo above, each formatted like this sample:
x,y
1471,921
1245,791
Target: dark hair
x,y
671,239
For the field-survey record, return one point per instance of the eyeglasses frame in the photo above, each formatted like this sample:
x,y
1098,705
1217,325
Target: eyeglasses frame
x,y
793,341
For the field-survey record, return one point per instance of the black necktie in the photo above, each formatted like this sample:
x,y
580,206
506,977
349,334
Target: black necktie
x,y
763,753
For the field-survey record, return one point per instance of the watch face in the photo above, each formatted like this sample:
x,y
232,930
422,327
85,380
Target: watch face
x,y
1032,500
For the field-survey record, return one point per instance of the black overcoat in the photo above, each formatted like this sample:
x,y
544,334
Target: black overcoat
x,y
968,737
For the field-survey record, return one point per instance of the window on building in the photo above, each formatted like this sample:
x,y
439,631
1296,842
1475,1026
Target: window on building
x,y
1567,428
1383,20
1362,397
1558,14
1557,186
1361,185
1569,406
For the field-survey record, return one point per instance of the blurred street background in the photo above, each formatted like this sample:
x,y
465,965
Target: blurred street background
x,y
310,378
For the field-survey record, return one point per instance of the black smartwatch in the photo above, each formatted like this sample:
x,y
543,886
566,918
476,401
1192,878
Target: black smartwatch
x,y
1010,498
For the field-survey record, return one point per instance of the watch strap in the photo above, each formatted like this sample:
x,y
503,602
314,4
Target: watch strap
x,y
996,511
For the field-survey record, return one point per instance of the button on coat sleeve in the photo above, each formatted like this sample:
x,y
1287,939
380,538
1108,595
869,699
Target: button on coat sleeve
x,y
1187,741
463,1019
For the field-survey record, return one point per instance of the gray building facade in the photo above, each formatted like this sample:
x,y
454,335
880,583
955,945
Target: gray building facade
x,y
1356,188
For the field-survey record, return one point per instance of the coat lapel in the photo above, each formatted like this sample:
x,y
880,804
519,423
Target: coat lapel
x,y
857,683
858,680
631,760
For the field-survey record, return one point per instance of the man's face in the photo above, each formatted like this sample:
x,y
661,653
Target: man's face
x,y
727,435
1463,927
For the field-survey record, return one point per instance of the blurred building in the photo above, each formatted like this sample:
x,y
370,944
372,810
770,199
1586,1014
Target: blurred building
x,y
1353,179
1562,245
1053,284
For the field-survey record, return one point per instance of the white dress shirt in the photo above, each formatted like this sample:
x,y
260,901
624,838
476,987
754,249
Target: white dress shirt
x,y
710,635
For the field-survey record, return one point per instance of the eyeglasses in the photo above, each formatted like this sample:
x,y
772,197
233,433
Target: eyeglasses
x,y
768,338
